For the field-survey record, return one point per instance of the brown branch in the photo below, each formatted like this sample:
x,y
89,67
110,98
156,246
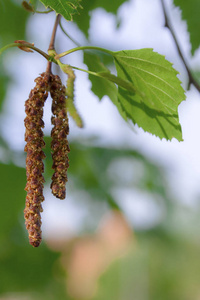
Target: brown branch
x,y
169,26
51,44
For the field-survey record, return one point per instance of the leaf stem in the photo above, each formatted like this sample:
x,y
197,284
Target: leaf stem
x,y
112,78
86,71
53,35
169,26
44,12
84,48
28,45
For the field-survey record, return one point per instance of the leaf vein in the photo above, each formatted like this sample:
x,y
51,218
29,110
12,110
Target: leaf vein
x,y
146,83
153,75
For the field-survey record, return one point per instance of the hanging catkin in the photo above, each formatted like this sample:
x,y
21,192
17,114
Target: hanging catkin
x,y
34,164
59,144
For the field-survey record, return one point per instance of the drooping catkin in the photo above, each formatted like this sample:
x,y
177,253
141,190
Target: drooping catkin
x,y
34,164
59,143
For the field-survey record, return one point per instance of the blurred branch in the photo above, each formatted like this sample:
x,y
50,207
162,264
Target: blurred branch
x,y
52,42
169,26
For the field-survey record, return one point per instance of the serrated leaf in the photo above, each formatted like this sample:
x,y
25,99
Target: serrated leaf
x,y
154,106
100,86
64,7
190,13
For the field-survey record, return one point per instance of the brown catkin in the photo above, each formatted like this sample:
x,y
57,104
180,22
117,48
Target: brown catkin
x,y
59,144
34,164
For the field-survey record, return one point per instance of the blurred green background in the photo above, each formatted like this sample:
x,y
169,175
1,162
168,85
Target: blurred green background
x,y
111,259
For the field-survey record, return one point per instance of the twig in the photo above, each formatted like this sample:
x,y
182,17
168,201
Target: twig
x,y
51,44
44,12
64,31
169,26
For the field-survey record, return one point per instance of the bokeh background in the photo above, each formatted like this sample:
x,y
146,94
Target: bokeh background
x,y
129,227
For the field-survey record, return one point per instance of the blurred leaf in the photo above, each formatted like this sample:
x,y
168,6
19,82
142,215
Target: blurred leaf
x,y
83,20
158,267
92,164
100,86
12,183
154,105
190,13
4,79
23,268
11,14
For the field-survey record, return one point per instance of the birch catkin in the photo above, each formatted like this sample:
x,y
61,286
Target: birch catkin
x,y
34,164
34,144
59,144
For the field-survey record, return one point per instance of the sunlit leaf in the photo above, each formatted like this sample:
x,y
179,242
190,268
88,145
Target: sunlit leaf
x,y
154,105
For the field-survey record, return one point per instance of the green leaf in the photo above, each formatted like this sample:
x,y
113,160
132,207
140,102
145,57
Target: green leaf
x,y
127,85
83,20
190,13
154,106
64,7
17,257
11,14
100,86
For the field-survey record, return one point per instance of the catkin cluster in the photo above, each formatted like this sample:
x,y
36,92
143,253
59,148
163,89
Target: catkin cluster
x,y
59,144
34,144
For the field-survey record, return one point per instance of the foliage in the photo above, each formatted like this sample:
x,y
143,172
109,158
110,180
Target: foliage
x,y
160,265
22,268
157,95
11,15
66,8
148,90
83,21
190,13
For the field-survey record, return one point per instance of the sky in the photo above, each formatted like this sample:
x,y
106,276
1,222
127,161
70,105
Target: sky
x,y
141,27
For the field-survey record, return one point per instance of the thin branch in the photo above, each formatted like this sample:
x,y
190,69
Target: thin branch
x,y
64,31
169,26
52,42
84,48
44,12
24,44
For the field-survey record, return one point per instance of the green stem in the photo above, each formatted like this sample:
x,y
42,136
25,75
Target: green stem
x,y
127,85
44,12
83,48
64,31
27,46
86,71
